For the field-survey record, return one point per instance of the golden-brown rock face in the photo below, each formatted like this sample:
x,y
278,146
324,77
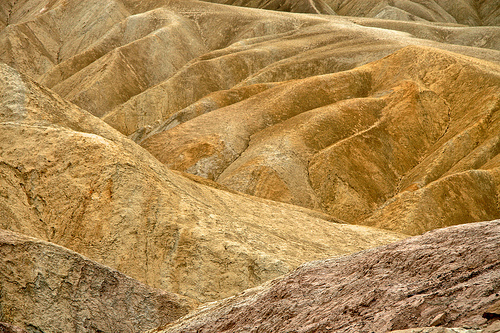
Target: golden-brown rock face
x,y
205,147
379,144
69,178
343,139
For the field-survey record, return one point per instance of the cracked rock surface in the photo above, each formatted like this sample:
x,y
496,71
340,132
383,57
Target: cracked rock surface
x,y
48,288
451,273
208,147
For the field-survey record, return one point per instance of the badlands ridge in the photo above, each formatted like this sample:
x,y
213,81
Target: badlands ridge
x,y
249,166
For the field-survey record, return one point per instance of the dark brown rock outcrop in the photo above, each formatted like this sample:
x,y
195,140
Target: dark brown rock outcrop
x,y
493,311
47,288
8,328
452,273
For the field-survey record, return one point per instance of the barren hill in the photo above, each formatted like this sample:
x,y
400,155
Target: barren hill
x,y
69,178
206,147
208,89
294,6
368,145
468,12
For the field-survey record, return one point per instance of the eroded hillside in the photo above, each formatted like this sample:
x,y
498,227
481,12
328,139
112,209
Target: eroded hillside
x,y
208,89
467,12
206,147
71,179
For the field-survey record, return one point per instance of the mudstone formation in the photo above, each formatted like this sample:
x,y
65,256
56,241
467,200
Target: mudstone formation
x,y
250,165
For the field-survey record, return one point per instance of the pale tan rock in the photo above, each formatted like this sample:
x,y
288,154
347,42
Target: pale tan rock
x,y
47,288
40,34
399,286
493,327
438,320
139,52
69,178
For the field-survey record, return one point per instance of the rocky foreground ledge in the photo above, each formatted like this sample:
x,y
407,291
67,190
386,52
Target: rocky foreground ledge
x,y
447,277
445,281
48,288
